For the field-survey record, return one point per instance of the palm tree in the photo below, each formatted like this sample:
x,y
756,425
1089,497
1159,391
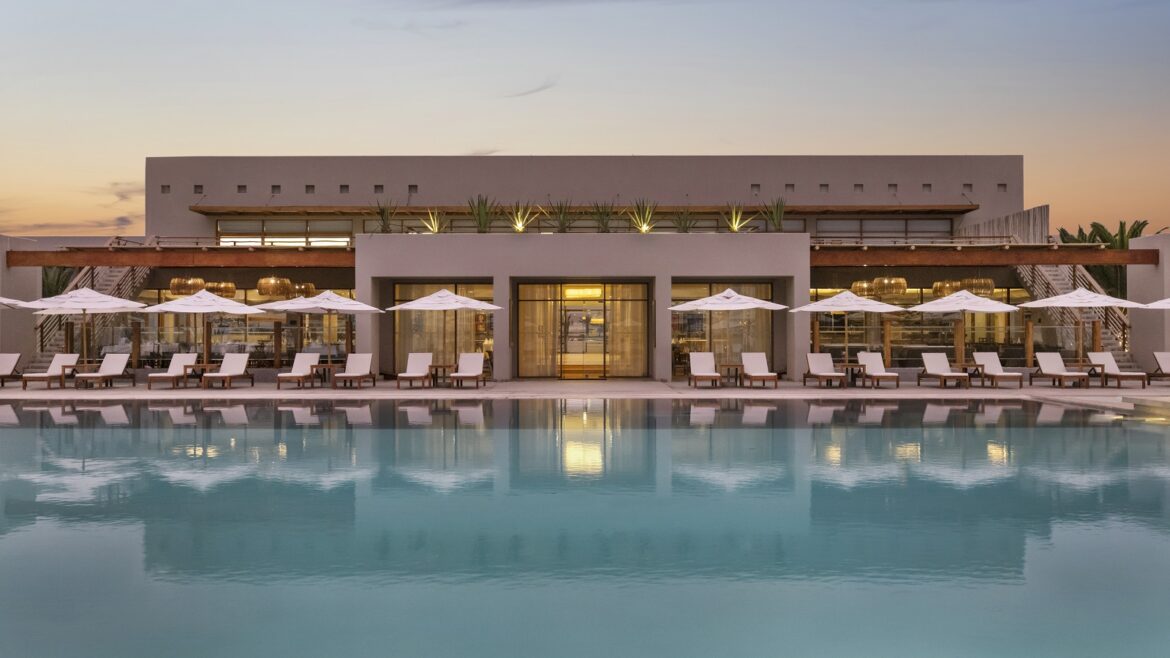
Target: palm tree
x,y
54,280
1111,277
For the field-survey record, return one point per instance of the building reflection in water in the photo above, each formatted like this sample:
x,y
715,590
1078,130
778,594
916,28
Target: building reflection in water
x,y
562,488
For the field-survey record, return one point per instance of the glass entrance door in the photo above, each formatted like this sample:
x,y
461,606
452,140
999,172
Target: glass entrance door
x,y
583,340
582,330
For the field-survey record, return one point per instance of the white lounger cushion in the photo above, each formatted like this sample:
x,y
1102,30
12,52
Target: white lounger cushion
x,y
470,365
54,370
1051,363
357,364
112,366
821,364
418,364
936,363
8,363
703,364
1163,359
302,365
177,365
756,363
991,364
873,363
1106,361
233,365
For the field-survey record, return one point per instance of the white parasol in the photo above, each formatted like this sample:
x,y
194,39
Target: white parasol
x,y
204,302
325,303
728,300
962,301
83,302
1081,298
846,302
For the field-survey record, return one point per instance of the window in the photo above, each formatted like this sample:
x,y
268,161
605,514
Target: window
x,y
166,189
968,187
824,187
790,187
927,188
893,188
1001,187
198,189
412,189
344,189
755,188
858,187
379,189
310,189
241,189
276,189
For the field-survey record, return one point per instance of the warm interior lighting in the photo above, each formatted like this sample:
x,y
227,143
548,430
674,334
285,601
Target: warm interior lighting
x,y
274,286
221,288
889,285
998,454
946,287
908,452
181,285
981,286
582,457
862,289
833,455
305,289
582,292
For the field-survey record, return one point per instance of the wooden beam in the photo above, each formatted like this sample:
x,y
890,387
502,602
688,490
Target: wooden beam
x,y
978,256
417,211
213,257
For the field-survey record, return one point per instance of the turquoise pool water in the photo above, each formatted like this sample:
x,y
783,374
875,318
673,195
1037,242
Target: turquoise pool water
x,y
583,528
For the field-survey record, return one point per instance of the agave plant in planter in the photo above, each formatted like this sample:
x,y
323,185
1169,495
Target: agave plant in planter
x,y
385,213
520,215
684,221
603,214
435,221
735,218
773,213
484,211
561,215
641,215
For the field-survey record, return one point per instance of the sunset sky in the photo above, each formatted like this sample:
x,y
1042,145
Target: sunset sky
x,y
90,89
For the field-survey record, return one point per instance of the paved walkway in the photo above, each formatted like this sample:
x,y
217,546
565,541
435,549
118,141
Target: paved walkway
x,y
553,389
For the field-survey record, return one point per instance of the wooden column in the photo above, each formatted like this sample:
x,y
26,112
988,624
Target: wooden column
x,y
207,341
1097,335
816,332
1028,346
277,343
68,326
887,340
348,335
1080,328
960,341
135,344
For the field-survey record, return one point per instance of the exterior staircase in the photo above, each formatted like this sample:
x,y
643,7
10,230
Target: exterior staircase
x,y
124,282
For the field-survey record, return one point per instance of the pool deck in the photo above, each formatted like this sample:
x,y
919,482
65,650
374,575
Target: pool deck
x,y
1094,395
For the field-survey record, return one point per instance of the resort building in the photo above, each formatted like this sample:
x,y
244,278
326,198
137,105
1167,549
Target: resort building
x,y
583,254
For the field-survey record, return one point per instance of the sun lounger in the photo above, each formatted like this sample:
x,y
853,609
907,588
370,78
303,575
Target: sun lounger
x,y
992,369
755,369
875,370
703,369
418,369
358,369
234,366
822,414
301,414
113,366
755,414
8,367
113,415
469,414
301,370
418,414
176,371
1163,369
8,417
936,366
820,368
470,368
1051,366
702,414
357,416
1109,370
235,415
59,367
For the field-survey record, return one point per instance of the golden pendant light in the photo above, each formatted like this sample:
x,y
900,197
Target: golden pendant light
x,y
305,289
862,289
185,285
946,287
221,288
889,285
981,286
274,286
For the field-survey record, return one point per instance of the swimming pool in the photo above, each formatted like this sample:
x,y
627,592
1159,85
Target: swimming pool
x,y
583,528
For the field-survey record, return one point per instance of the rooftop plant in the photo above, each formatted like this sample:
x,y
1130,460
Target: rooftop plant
x,y
484,211
385,213
520,215
773,213
735,219
435,221
641,215
561,215
684,221
603,214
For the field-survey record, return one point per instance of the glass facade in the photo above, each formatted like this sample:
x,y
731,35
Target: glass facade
x,y
445,334
728,334
582,330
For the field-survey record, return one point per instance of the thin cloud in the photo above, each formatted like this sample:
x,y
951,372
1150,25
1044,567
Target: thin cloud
x,y
483,152
111,225
544,86
419,28
122,191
